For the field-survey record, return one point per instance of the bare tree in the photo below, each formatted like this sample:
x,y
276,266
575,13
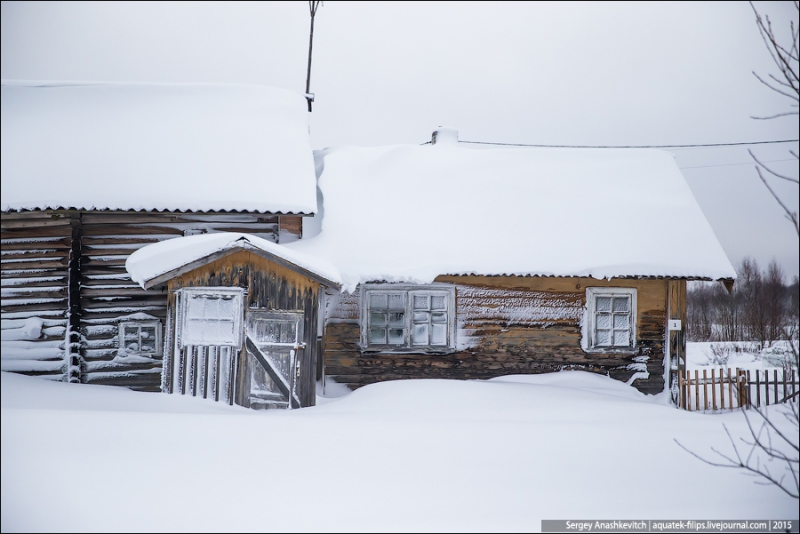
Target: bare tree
x,y
787,84
771,453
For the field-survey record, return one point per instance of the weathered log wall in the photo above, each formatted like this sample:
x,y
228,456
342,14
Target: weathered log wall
x,y
506,325
99,294
269,286
36,250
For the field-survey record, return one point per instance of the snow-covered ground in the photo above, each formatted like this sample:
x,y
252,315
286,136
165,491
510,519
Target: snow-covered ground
x,y
397,456
736,354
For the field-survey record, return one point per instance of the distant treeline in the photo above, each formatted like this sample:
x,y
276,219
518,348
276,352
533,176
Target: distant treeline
x,y
762,307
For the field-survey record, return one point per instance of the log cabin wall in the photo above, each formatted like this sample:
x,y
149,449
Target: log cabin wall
x,y
269,286
506,325
37,251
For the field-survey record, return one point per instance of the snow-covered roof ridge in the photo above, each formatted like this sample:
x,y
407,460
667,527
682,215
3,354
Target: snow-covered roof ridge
x,y
153,264
155,146
410,213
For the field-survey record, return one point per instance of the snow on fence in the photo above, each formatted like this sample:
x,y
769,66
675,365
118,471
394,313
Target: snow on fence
x,y
728,389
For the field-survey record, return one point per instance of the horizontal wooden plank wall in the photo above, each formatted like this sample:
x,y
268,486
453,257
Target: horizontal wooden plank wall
x,y
107,294
35,260
269,286
506,325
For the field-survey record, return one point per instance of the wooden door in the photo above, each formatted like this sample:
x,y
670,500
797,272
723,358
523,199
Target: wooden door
x,y
273,339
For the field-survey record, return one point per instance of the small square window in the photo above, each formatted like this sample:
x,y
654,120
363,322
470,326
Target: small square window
x,y
140,338
610,322
211,316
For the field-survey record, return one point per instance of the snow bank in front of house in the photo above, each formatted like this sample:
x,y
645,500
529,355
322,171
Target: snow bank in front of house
x,y
410,455
159,258
140,146
411,213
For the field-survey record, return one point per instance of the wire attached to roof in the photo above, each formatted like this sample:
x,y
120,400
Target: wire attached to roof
x,y
629,146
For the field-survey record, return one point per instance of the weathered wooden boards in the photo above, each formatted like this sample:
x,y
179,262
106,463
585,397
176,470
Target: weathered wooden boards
x,y
730,389
506,325
67,269
269,286
36,252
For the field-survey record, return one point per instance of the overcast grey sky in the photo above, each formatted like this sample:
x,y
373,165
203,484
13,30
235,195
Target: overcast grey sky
x,y
545,73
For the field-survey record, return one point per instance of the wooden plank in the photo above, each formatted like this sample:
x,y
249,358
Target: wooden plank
x,y
8,224
53,263
277,378
749,390
758,387
713,391
775,385
705,391
36,232
730,389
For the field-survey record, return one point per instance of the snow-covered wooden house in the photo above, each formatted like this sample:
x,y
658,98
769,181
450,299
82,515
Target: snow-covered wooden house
x,y
454,260
462,261
92,172
242,317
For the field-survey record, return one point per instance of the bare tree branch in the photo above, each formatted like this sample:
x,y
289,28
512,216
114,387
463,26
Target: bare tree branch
x,y
773,173
791,215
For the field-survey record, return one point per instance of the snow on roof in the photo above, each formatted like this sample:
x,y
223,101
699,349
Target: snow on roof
x,y
163,257
411,213
136,146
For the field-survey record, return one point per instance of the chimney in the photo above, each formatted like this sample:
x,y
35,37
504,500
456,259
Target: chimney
x,y
444,136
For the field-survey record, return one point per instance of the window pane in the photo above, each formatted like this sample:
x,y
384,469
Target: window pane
x,y
396,336
621,321
396,302
603,320
438,302
438,334
621,304
603,337
211,308
397,319
377,319
227,307
421,302
377,301
148,339
603,303
421,317
622,338
377,336
420,334
439,317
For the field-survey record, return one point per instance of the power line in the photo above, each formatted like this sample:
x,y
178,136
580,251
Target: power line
x,y
631,146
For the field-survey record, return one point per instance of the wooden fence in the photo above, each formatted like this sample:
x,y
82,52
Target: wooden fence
x,y
729,389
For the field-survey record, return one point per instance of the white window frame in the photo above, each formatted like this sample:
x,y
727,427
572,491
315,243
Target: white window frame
x,y
589,338
236,294
126,325
409,291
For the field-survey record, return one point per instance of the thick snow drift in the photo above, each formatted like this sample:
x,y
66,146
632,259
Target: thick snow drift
x,y
130,146
416,455
159,258
410,213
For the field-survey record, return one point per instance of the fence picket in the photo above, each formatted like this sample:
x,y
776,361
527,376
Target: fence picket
x,y
713,392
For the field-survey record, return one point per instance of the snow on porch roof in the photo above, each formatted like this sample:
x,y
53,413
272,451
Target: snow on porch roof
x,y
154,264
137,146
411,213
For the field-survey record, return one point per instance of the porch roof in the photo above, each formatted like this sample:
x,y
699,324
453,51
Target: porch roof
x,y
155,264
